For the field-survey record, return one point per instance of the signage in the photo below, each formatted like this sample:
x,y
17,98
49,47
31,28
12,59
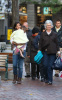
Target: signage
x,y
47,10
9,32
2,16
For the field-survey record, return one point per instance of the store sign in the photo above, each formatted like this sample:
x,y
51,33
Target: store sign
x,y
2,16
47,10
9,32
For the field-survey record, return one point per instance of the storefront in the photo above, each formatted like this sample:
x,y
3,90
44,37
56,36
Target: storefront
x,y
41,14
23,14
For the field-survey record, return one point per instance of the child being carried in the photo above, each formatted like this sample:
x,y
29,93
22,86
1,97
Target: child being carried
x,y
19,37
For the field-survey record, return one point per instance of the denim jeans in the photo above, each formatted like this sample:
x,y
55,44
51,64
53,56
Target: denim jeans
x,y
18,64
48,61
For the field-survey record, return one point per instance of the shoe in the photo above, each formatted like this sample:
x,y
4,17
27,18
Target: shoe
x,y
15,79
56,75
27,76
46,81
19,81
38,77
42,79
61,76
49,83
33,78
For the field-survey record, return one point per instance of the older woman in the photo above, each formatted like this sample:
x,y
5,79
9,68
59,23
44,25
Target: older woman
x,y
49,46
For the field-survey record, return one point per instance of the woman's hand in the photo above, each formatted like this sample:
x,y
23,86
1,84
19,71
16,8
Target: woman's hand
x,y
58,53
38,50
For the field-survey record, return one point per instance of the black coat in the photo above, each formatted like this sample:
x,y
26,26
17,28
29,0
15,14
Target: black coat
x,y
59,36
48,42
32,49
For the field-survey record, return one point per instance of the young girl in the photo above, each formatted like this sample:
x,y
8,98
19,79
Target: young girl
x,y
18,37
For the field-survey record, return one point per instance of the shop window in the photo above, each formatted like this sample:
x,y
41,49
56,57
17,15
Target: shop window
x,y
23,16
43,14
23,9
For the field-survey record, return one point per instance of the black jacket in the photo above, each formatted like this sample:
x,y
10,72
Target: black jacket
x,y
29,33
48,43
32,49
59,36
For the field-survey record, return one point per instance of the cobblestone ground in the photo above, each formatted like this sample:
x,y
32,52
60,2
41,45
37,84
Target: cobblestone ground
x,y
31,90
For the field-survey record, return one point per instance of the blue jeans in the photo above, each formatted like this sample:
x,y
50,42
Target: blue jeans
x,y
48,61
18,64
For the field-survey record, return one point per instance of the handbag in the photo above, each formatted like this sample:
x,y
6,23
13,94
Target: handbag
x,y
38,57
57,64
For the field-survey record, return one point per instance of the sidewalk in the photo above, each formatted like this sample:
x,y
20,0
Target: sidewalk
x,y
31,90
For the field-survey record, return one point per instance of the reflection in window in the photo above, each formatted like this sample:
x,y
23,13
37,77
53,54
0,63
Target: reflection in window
x,y
23,10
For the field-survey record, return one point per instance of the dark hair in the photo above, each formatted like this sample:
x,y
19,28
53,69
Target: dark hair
x,y
58,20
42,28
15,24
35,30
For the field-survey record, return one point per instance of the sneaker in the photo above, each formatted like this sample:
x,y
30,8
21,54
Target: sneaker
x,y
49,83
42,79
46,81
33,78
27,76
61,76
38,77
56,75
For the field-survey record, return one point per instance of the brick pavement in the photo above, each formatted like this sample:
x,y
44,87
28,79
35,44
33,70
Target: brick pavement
x,y
31,90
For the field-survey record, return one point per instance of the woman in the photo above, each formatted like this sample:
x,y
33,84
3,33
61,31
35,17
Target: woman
x,y
49,46
17,59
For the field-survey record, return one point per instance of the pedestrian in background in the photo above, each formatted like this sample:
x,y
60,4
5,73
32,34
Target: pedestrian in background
x,y
58,29
27,59
41,64
49,46
33,51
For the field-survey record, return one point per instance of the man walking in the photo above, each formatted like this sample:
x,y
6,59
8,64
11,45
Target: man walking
x,y
58,29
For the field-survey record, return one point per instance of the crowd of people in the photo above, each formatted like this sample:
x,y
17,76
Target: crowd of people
x,y
27,43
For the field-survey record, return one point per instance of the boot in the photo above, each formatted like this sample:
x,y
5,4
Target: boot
x,y
19,81
15,79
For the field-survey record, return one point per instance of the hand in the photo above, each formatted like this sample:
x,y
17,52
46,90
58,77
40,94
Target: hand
x,y
38,50
58,53
28,56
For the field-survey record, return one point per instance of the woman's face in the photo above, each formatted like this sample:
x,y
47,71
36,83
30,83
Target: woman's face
x,y
48,26
18,26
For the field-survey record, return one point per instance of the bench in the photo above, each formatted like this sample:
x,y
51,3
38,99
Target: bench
x,y
4,64
2,46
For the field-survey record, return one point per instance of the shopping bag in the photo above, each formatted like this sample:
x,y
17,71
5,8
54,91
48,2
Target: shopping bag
x,y
38,57
57,64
